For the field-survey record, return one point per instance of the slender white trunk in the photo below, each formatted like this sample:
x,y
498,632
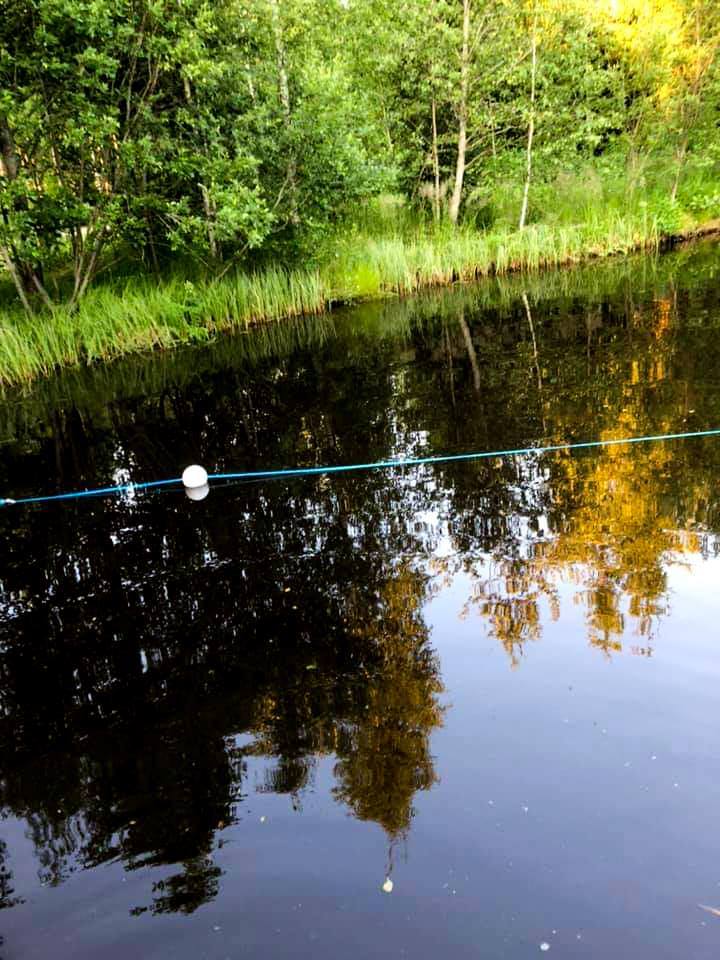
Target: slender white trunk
x,y
87,262
679,163
435,163
456,198
531,126
209,208
251,85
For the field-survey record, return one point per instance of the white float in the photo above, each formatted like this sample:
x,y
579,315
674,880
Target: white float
x,y
194,476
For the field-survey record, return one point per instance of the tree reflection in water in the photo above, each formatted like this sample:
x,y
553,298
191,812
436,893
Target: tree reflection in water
x,y
141,636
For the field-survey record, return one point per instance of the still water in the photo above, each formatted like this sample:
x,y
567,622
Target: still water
x,y
461,710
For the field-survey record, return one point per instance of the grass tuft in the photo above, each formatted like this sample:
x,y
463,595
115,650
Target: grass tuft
x,y
388,252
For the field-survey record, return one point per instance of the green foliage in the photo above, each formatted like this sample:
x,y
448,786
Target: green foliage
x,y
163,128
190,140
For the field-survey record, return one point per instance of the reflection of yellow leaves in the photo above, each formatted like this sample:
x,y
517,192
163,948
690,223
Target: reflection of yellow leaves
x,y
438,565
382,737
663,313
386,754
614,542
514,621
618,516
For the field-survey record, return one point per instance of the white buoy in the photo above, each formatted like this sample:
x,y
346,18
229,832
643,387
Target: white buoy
x,y
194,476
388,885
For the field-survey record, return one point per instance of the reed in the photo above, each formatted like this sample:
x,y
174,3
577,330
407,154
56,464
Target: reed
x,y
151,375
140,315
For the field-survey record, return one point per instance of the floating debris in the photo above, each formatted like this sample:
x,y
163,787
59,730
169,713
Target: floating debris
x,y
544,946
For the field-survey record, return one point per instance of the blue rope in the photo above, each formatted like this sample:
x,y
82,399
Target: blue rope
x,y
375,465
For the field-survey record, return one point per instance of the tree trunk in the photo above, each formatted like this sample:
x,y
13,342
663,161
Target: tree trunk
x,y
690,108
679,164
12,270
26,276
531,126
150,248
86,263
8,155
34,275
284,89
251,85
456,198
681,149
436,164
150,253
209,208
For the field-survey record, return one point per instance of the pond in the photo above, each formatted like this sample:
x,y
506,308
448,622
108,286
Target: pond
x,y
466,709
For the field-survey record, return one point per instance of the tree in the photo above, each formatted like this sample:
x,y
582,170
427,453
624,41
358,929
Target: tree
x,y
695,72
147,126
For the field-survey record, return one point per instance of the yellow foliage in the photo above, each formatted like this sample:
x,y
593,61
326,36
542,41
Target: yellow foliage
x,y
618,530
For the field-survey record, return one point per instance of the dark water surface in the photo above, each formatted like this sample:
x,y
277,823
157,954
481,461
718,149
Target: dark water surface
x,y
225,725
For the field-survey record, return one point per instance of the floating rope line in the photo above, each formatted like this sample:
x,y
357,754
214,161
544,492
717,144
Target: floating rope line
x,y
375,465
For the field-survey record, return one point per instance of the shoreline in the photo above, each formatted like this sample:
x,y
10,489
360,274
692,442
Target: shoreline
x,y
143,318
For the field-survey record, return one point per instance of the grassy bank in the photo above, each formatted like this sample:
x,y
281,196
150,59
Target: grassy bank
x,y
141,315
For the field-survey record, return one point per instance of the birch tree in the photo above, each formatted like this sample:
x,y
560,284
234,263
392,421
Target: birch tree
x,y
462,112
531,120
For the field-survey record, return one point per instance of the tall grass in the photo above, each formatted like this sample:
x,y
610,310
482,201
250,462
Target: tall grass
x,y
151,375
388,252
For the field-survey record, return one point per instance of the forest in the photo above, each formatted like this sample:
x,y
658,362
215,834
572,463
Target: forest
x,y
172,169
